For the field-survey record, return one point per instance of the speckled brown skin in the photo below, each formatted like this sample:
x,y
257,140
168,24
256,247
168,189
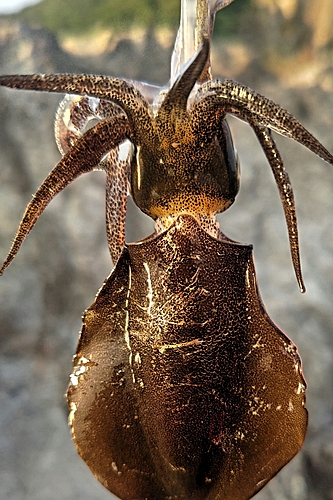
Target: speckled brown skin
x,y
182,386
181,162
81,111
85,154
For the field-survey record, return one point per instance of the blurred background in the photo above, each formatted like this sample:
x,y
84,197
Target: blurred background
x,y
281,48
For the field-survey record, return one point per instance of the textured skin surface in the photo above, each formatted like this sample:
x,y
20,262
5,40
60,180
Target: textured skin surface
x,y
83,157
176,431
73,116
180,165
113,89
182,385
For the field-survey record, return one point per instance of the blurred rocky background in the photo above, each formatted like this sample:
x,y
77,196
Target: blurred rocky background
x,y
283,49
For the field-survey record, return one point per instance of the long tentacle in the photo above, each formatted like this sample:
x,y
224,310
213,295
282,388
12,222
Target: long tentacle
x,y
73,115
84,155
286,193
216,99
227,96
119,91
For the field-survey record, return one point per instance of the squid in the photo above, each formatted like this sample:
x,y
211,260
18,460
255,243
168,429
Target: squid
x,y
182,385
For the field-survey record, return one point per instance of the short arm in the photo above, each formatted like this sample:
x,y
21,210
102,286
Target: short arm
x,y
117,175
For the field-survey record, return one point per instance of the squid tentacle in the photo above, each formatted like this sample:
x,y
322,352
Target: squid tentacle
x,y
178,95
85,154
216,99
286,194
115,90
117,174
220,97
73,116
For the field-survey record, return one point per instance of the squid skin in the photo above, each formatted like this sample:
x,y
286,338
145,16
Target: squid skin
x,y
183,387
